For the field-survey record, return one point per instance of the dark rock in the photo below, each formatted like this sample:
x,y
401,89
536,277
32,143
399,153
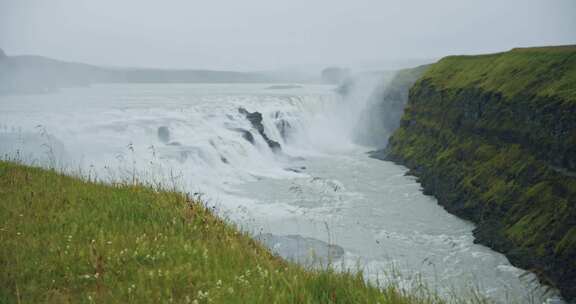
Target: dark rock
x,y
247,135
274,145
164,134
504,163
296,169
378,154
255,118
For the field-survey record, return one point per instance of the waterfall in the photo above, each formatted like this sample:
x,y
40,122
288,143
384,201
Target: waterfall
x,y
197,131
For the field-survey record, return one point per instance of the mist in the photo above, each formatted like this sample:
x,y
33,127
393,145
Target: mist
x,y
327,133
264,35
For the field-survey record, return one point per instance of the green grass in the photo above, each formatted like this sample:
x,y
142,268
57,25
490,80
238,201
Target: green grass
x,y
485,181
544,71
493,137
65,240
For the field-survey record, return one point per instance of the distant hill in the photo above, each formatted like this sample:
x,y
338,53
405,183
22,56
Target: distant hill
x,y
38,74
26,74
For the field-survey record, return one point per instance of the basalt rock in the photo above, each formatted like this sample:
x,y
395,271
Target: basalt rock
x,y
304,250
164,134
247,135
255,119
493,137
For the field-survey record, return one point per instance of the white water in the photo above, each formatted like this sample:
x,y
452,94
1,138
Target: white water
x,y
322,186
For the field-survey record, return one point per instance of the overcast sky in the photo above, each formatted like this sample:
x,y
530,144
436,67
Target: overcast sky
x,y
265,34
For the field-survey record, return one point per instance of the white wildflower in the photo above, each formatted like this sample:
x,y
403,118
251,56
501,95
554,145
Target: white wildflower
x,y
202,295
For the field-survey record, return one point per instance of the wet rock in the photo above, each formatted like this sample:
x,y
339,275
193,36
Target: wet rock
x,y
296,169
164,134
305,250
255,119
377,154
247,135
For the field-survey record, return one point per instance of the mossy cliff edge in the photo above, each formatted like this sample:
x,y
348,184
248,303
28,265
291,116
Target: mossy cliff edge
x,y
493,137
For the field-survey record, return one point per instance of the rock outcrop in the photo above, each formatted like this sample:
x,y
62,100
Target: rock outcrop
x,y
164,134
255,119
304,250
493,137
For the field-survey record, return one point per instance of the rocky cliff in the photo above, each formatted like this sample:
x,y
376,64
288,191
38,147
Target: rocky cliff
x,y
493,137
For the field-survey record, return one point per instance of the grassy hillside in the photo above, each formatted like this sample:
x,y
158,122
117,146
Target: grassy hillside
x,y
542,71
494,138
65,240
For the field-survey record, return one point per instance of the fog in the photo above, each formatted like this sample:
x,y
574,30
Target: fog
x,y
264,34
269,112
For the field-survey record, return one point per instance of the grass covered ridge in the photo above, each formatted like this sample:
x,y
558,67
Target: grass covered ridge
x,y
493,137
543,71
64,240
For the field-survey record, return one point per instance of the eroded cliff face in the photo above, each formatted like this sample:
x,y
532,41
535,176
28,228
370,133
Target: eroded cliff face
x,y
494,139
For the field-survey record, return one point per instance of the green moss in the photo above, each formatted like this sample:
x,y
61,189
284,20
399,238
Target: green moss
x,y
545,71
568,243
489,136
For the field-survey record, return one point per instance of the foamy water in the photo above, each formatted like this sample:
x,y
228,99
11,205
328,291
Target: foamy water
x,y
322,186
